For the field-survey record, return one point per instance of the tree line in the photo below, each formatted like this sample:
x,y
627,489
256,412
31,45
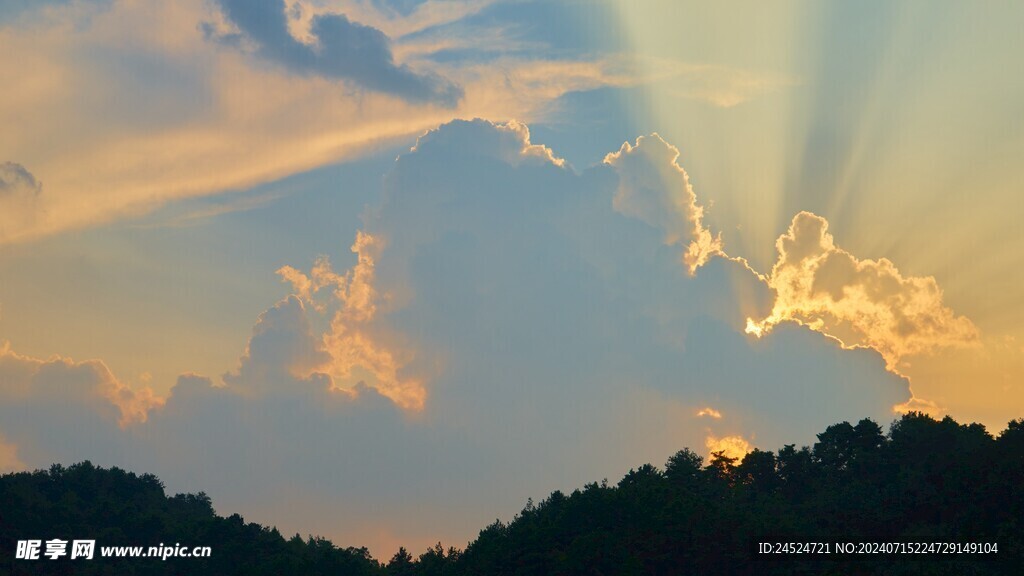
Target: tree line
x,y
925,481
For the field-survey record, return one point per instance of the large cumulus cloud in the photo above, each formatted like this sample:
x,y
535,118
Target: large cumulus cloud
x,y
509,327
860,302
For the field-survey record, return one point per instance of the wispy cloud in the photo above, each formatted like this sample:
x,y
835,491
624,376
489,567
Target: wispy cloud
x,y
396,18
186,122
19,199
722,86
122,110
339,49
199,215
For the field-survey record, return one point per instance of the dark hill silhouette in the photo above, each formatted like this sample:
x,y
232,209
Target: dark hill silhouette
x,y
927,481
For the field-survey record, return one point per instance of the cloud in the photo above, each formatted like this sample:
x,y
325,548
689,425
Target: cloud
x,y
20,11
401,7
15,180
396,18
137,83
788,385
341,49
721,86
697,347
282,348
87,383
709,412
495,246
507,142
860,302
353,346
33,386
655,189
502,329
19,199
729,446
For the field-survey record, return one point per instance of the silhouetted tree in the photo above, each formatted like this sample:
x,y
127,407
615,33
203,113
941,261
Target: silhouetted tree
x,y
927,480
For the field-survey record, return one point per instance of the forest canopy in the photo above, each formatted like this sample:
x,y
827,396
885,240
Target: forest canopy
x,y
925,481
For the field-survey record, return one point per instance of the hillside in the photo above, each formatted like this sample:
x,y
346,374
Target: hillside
x,y
926,481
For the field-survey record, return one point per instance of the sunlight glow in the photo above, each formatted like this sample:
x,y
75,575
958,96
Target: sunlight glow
x,y
754,328
730,446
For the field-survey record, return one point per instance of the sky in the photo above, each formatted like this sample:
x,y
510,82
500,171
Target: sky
x,y
382,270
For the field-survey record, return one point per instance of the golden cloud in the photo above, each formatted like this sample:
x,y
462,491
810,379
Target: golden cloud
x,y
862,303
709,412
356,346
21,373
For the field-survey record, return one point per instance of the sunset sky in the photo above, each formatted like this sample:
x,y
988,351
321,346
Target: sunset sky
x,y
381,270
